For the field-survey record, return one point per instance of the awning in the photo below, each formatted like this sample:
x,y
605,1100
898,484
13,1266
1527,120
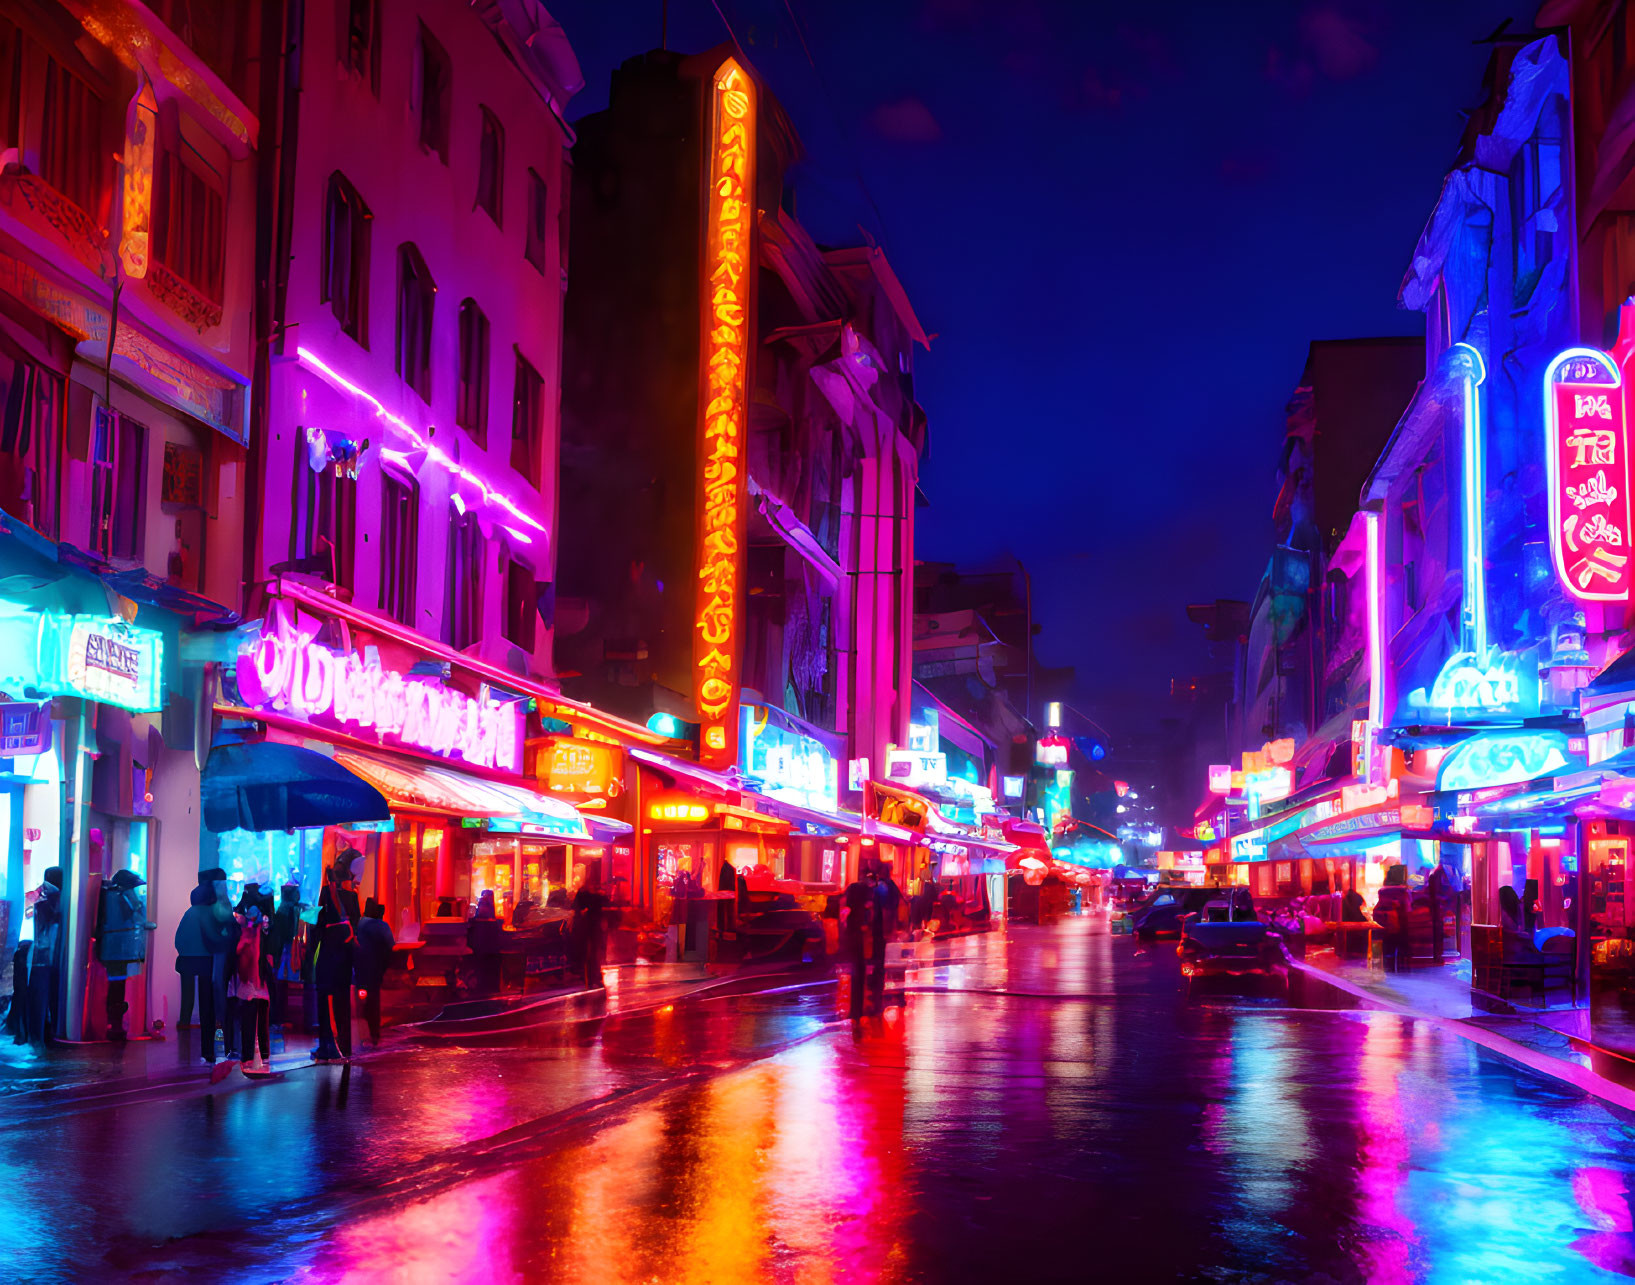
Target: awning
x,y
423,789
271,786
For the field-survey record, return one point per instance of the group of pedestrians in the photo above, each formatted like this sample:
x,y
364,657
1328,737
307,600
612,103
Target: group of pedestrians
x,y
871,904
237,961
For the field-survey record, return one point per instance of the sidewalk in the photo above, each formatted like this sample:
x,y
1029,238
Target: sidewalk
x,y
1551,1041
101,1072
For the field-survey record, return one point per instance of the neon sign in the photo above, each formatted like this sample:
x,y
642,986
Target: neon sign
x,y
726,304
1475,586
575,766
1586,449
1504,758
677,808
136,204
98,658
1492,682
286,670
786,764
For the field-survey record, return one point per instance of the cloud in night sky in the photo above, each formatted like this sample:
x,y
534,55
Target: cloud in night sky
x,y
907,120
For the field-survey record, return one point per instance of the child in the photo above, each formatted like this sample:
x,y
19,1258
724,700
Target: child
x,y
252,977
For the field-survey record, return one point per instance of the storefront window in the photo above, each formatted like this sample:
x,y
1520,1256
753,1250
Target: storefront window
x,y
277,857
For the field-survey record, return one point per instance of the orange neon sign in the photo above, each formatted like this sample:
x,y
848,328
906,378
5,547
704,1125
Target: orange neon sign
x,y
724,396
674,809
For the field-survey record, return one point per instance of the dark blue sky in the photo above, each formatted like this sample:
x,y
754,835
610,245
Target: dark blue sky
x,y
1124,223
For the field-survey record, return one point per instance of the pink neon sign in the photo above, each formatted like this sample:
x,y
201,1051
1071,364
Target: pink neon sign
x,y
285,670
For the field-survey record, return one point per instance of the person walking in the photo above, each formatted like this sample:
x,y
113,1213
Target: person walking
x,y
121,936
252,981
286,923
589,906
859,902
887,900
194,963
220,933
332,967
370,958
45,959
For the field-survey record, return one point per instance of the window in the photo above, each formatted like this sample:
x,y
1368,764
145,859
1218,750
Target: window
x,y
463,603
11,83
190,220
539,219
471,410
1535,195
31,419
415,294
521,603
399,501
118,485
491,170
527,410
436,95
71,152
360,42
324,526
345,285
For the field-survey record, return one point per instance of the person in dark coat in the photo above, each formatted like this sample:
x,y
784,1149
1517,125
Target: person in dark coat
x,y
194,963
1391,909
589,907
859,903
45,959
286,924
371,956
121,936
887,899
332,969
220,941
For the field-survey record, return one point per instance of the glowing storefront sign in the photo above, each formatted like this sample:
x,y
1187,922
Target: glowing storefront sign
x,y
1220,778
1490,682
917,769
1474,610
1249,847
100,658
786,764
1586,450
285,670
1503,758
677,807
575,766
726,304
1051,751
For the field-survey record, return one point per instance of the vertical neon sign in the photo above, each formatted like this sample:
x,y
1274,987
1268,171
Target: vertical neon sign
x,y
731,207
1474,612
136,187
1586,449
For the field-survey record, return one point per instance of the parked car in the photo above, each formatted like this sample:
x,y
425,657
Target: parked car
x,y
1161,914
1225,938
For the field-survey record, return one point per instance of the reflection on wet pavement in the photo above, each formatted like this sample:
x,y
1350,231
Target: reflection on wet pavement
x,y
961,1137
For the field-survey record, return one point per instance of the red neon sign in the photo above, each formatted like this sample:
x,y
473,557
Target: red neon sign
x,y
1587,451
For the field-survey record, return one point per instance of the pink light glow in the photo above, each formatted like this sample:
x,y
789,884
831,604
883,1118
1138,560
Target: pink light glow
x,y
1376,622
285,669
434,454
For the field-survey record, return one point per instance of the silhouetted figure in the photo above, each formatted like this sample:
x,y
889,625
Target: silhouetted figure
x,y
859,901
371,957
121,935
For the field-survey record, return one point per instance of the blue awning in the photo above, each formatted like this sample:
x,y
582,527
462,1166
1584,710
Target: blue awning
x,y
272,786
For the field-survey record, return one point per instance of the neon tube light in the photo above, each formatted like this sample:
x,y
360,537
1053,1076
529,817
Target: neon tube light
x,y
434,454
1586,452
1375,590
1475,606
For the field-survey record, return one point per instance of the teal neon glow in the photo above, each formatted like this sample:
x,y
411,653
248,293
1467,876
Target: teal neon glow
x,y
1474,612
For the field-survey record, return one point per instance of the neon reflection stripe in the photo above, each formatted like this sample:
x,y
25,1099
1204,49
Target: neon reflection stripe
x,y
1376,622
434,453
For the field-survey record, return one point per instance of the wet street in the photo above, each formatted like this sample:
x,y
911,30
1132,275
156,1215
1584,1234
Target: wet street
x,y
1047,1105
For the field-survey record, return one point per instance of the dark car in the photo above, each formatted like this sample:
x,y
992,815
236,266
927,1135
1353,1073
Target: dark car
x,y
1227,939
1161,914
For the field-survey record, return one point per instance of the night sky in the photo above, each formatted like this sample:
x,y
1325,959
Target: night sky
x,y
1123,223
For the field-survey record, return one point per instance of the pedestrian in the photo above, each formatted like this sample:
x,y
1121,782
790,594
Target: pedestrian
x,y
370,959
252,980
588,907
888,898
45,958
220,937
286,924
17,1015
332,967
1391,908
121,936
1438,887
194,963
859,902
